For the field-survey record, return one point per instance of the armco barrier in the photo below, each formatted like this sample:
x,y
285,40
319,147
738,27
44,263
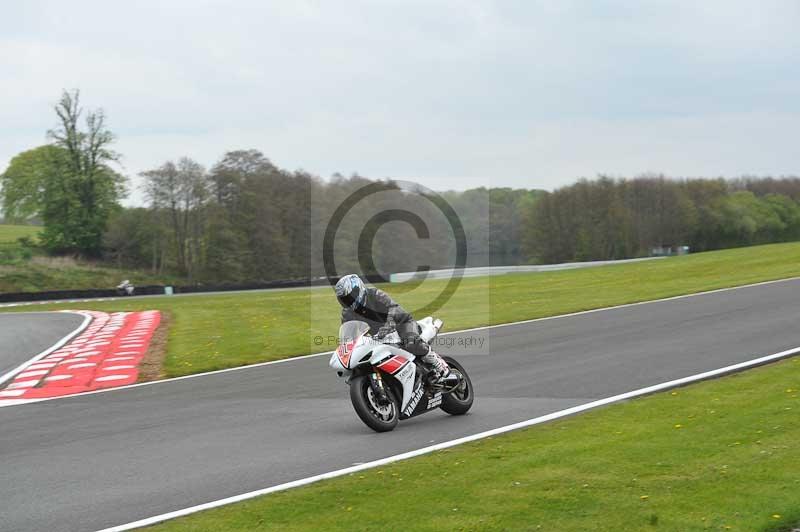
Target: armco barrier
x,y
14,297
500,270
53,295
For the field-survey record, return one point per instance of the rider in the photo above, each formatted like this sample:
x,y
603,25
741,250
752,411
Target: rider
x,y
383,315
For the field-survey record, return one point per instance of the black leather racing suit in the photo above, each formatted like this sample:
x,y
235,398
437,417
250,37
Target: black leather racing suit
x,y
384,315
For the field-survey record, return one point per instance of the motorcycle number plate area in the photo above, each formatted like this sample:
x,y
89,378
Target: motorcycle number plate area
x,y
344,351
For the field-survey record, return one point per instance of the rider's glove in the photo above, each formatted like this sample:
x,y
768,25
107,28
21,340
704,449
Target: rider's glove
x,y
384,331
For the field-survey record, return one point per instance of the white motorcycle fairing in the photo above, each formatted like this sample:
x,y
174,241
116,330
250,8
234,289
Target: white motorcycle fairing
x,y
389,358
398,363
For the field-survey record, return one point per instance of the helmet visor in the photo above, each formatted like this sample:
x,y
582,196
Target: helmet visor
x,y
349,299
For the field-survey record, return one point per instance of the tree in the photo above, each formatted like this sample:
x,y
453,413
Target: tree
x,y
789,213
226,255
83,190
180,190
135,238
256,197
26,180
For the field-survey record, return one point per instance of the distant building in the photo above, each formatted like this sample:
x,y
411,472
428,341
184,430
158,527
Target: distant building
x,y
668,250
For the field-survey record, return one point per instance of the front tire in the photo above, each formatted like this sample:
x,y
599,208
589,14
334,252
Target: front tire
x,y
380,418
459,401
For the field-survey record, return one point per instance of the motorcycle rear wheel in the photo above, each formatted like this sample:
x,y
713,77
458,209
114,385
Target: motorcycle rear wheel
x,y
459,401
377,417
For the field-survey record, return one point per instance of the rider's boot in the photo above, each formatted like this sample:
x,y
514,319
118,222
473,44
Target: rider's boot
x,y
440,370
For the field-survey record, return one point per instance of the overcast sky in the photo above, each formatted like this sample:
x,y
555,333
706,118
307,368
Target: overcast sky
x,y
453,93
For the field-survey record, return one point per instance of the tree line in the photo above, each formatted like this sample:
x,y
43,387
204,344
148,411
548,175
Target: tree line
x,y
246,219
610,218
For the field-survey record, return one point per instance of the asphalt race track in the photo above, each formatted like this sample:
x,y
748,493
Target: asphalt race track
x,y
90,462
23,336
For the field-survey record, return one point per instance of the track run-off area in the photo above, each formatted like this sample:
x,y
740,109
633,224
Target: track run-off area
x,y
100,460
104,351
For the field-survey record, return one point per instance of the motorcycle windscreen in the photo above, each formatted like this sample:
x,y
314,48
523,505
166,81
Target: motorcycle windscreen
x,y
351,330
349,333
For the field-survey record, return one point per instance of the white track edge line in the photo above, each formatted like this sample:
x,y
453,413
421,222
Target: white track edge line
x,y
18,402
444,445
64,340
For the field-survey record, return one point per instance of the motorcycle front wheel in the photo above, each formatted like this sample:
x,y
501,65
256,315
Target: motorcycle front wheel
x,y
380,418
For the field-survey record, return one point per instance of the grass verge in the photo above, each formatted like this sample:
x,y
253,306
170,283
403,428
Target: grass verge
x,y
9,233
718,455
39,273
226,330
23,269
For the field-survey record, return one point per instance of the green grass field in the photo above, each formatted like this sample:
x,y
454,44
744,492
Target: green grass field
x,y
720,455
10,233
40,273
220,331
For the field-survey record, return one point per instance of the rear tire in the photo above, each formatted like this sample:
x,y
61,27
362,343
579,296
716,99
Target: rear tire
x,y
459,401
379,419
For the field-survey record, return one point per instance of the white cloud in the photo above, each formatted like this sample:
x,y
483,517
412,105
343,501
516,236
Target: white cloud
x,y
459,93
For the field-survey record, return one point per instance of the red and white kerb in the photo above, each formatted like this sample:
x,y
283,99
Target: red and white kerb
x,y
106,354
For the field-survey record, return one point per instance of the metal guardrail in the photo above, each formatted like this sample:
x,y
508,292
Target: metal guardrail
x,y
501,270
151,290
60,295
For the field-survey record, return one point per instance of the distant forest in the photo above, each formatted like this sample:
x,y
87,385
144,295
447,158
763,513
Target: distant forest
x,y
246,219
620,218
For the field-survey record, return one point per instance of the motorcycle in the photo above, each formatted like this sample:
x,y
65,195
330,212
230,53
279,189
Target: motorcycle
x,y
125,288
388,384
